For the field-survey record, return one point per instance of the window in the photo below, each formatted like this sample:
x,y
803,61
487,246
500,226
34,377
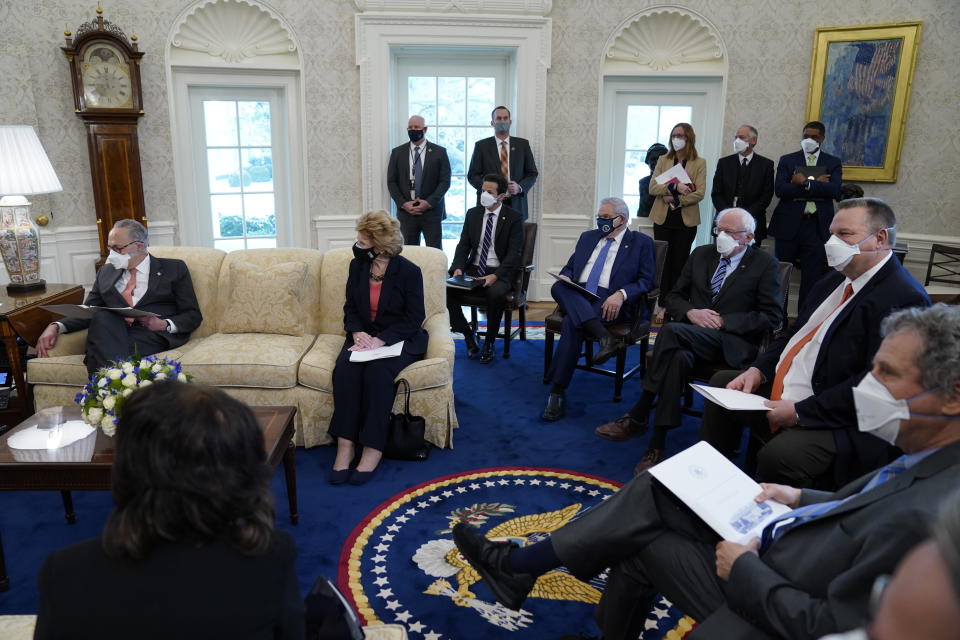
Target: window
x,y
646,125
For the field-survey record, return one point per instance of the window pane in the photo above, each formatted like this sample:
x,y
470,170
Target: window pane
x,y
422,98
262,243
227,214
641,126
634,168
452,138
481,99
254,123
229,245
456,204
633,202
223,167
260,214
257,169
220,122
671,117
451,101
473,135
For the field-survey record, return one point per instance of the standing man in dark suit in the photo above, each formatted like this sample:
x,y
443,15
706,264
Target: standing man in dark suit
x,y
801,220
808,373
726,299
618,266
811,571
489,249
507,156
745,180
132,278
418,176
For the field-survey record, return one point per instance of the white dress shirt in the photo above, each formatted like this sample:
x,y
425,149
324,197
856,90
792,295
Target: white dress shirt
x,y
607,266
492,261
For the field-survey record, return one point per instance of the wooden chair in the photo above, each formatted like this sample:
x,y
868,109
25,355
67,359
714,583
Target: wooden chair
x,y
943,274
516,299
627,334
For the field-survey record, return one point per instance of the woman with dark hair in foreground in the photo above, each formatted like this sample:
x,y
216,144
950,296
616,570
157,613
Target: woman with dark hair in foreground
x,y
189,550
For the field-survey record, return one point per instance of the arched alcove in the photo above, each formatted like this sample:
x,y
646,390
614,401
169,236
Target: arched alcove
x,y
664,39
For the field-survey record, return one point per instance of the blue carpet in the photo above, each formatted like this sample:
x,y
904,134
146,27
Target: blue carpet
x,y
498,406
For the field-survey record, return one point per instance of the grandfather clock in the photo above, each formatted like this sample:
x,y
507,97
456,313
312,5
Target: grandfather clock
x,y
107,96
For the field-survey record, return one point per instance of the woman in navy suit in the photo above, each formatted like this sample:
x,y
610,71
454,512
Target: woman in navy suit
x,y
384,306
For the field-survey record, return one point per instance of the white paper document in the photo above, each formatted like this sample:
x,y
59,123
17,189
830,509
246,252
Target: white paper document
x,y
717,491
86,312
674,175
392,351
732,399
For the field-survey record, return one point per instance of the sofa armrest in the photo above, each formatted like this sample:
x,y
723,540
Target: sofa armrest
x,y
70,344
440,342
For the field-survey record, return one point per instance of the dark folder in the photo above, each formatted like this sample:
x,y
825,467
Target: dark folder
x,y
811,173
464,282
589,294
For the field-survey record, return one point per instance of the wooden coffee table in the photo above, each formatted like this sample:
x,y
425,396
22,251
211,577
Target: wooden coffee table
x,y
277,423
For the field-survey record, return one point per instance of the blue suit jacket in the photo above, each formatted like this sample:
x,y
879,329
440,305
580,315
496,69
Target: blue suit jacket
x,y
633,268
845,356
785,222
400,311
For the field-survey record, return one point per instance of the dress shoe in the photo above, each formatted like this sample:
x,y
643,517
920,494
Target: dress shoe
x,y
554,408
486,354
650,458
339,476
623,428
490,560
608,347
473,347
358,477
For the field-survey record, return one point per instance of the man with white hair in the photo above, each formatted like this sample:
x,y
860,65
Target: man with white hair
x,y
617,266
726,299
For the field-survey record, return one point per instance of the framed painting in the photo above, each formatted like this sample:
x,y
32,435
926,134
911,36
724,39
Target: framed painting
x,y
860,83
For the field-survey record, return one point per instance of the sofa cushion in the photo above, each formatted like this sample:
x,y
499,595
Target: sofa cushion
x,y
70,370
247,360
265,299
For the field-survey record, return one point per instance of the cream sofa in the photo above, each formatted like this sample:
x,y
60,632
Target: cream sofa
x,y
272,329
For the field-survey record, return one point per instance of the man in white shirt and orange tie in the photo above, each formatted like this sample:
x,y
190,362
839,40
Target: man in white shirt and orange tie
x,y
808,373
132,278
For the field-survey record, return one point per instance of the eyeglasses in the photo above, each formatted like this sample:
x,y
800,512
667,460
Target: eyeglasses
x,y
119,249
733,232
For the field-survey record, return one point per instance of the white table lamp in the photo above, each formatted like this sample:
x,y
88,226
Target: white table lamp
x,y
24,170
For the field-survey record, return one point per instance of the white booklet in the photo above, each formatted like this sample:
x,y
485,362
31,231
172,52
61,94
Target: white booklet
x,y
385,351
731,398
86,312
717,491
673,175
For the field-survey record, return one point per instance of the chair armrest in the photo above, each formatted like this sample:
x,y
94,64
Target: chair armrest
x,y
70,344
440,341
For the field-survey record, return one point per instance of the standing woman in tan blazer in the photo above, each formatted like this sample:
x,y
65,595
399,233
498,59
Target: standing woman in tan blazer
x,y
676,211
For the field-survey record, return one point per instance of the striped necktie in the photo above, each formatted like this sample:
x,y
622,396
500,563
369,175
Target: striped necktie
x,y
718,277
485,245
504,160
810,207
772,531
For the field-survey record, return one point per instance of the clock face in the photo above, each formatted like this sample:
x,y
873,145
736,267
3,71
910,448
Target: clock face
x,y
106,79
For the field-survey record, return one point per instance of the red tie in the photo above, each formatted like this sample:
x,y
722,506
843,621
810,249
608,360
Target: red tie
x,y
127,293
777,392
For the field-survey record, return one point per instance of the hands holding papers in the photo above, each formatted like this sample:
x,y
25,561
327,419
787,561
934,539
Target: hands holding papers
x,y
732,399
674,175
366,348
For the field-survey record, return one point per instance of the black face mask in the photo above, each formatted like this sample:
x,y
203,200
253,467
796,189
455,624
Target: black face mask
x,y
364,254
416,135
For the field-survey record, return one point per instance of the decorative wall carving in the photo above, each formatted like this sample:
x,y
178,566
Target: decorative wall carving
x,y
234,31
665,37
488,7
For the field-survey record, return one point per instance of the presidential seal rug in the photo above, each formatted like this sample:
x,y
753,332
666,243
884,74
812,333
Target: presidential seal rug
x,y
400,566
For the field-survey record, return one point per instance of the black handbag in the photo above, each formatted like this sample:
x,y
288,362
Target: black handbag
x,y
405,436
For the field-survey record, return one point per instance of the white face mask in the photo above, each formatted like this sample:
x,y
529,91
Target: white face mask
x,y
678,143
839,253
726,243
119,261
878,412
487,200
740,145
809,145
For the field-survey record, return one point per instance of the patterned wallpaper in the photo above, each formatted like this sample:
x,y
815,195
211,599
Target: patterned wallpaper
x,y
769,45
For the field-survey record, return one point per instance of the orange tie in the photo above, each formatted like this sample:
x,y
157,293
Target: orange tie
x,y
504,160
777,392
127,293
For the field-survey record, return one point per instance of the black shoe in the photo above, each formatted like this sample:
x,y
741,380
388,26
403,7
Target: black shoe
x,y
554,408
339,476
472,347
486,354
608,347
490,560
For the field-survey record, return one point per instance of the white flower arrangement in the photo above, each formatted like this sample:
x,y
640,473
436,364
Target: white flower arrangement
x,y
103,396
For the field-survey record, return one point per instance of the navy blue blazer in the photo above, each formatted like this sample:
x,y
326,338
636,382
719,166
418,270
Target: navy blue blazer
x,y
845,356
633,268
400,311
785,222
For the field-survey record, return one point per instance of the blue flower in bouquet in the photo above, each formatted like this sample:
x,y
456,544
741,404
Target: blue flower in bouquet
x,y
102,398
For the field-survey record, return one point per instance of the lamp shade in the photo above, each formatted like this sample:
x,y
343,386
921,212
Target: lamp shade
x,y
24,167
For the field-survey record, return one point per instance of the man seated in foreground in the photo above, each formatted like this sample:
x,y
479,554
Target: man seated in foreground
x,y
812,570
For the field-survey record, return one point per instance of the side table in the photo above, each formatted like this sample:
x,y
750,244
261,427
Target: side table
x,y
22,317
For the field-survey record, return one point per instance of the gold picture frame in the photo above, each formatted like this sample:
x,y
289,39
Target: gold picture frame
x,y
860,83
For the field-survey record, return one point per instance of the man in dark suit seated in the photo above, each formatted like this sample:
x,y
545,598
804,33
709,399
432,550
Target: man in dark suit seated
x,y
810,573
801,220
615,264
508,156
133,278
726,299
745,180
808,373
489,249
418,176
